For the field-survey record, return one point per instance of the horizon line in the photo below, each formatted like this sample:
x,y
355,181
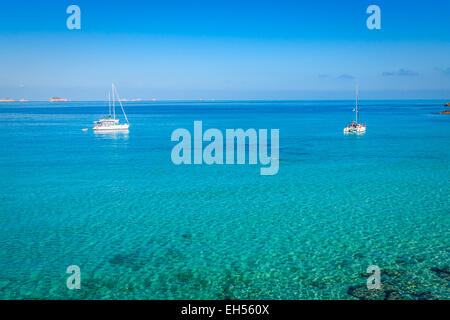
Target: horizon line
x,y
225,100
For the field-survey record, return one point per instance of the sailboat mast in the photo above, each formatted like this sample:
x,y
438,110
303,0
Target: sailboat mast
x,y
120,102
109,103
356,109
114,106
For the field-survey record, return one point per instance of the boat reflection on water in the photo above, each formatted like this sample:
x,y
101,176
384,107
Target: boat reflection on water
x,y
112,134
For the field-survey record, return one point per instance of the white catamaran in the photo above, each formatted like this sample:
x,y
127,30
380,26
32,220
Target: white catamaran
x,y
110,123
355,127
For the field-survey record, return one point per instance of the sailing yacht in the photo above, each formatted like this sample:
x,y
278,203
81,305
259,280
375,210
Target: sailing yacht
x,y
111,123
355,127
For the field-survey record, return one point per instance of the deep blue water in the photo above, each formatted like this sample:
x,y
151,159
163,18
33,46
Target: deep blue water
x,y
141,227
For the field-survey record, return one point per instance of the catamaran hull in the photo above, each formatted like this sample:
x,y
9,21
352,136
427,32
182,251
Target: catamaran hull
x,y
118,127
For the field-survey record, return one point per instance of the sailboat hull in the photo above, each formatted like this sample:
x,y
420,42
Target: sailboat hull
x,y
357,129
116,127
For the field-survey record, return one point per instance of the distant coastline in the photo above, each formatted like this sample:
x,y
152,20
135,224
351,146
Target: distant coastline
x,y
125,100
446,111
12,100
56,99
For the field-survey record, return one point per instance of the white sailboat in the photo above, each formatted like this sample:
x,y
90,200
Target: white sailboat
x,y
111,123
355,127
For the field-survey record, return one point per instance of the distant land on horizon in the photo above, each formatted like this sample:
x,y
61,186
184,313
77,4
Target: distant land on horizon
x,y
130,94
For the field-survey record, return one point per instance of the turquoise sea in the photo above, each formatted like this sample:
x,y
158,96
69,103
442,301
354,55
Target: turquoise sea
x,y
140,227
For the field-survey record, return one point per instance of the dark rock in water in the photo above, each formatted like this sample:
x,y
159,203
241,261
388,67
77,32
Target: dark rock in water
x,y
358,256
404,261
319,284
420,259
387,272
361,292
395,286
130,260
387,292
344,264
394,295
121,259
397,290
187,236
443,273
424,295
393,273
185,276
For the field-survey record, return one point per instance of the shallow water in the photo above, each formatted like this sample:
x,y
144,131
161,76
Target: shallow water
x,y
140,227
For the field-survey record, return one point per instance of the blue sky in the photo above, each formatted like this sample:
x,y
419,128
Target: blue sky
x,y
225,50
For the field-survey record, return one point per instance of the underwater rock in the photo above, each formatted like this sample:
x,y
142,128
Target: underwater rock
x,y
404,261
391,290
121,258
388,291
387,272
394,295
393,273
185,276
130,260
344,263
361,292
319,284
420,259
443,273
424,295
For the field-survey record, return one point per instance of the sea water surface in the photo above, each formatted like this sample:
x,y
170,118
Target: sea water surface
x,y
140,227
